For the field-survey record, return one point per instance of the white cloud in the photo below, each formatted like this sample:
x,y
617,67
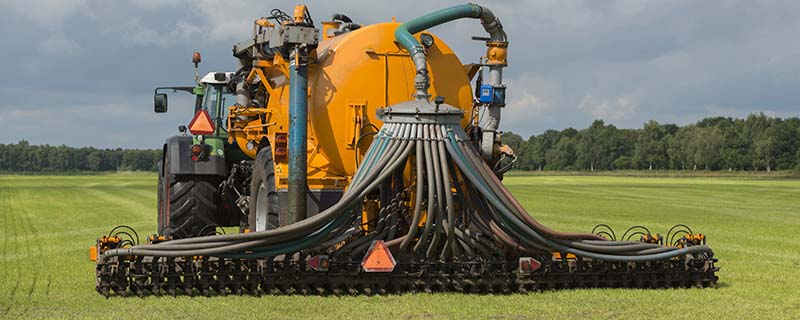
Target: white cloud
x,y
529,103
59,44
531,94
130,123
156,4
608,109
136,33
79,113
48,14
215,20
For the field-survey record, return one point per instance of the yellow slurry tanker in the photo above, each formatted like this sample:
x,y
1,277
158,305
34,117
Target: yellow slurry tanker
x,y
361,159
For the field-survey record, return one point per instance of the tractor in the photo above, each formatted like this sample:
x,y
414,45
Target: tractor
x,y
194,164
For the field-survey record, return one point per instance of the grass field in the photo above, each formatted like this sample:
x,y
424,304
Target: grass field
x,y
48,223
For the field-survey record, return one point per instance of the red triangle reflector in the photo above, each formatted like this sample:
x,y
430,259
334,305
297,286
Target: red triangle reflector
x,y
201,123
318,263
528,265
378,258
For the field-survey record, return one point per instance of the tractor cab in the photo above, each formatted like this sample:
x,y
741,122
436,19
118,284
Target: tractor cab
x,y
212,96
216,98
211,99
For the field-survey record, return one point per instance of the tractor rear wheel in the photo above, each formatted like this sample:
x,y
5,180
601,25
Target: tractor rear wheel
x,y
264,208
162,218
188,204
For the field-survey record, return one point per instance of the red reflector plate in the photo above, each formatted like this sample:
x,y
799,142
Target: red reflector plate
x,y
201,123
528,264
378,258
318,263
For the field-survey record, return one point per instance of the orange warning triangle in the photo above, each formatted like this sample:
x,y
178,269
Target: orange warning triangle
x,y
201,123
378,258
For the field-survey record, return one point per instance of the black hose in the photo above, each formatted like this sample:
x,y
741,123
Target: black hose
x,y
238,241
142,250
340,17
517,226
448,195
429,212
414,227
437,174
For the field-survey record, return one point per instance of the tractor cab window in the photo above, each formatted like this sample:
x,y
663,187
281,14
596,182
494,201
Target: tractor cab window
x,y
216,101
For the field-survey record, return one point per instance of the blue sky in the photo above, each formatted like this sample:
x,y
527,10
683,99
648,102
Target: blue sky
x,y
82,72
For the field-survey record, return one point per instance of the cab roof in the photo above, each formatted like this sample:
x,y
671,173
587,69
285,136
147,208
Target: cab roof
x,y
217,77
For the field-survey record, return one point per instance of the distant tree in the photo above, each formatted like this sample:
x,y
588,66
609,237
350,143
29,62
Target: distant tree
x,y
797,161
623,162
24,157
733,151
562,156
534,152
785,134
650,147
753,130
547,141
708,142
765,147
625,145
593,146
677,152
715,143
95,160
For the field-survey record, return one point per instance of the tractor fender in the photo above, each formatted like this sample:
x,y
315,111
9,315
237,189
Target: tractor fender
x,y
178,149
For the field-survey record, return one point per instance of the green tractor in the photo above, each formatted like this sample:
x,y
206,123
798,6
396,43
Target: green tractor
x,y
196,165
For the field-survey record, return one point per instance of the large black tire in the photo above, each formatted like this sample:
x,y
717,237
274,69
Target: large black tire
x,y
162,218
188,204
264,208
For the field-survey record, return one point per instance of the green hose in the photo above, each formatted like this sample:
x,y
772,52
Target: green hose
x,y
404,33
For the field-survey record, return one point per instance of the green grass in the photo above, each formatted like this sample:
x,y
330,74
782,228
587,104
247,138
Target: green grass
x,y
49,222
664,173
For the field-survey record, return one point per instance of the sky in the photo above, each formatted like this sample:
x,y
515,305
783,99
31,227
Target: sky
x,y
82,72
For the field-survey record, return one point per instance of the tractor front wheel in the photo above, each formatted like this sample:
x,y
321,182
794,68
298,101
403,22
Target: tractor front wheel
x,y
264,208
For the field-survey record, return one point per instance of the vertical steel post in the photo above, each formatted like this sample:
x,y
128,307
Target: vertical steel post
x,y
298,135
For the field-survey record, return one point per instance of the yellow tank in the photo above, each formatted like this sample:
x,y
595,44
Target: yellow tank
x,y
350,77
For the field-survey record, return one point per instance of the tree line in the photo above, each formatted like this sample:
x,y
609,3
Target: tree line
x,y
757,143
24,157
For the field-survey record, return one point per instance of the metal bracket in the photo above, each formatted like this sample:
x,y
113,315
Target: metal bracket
x,y
293,35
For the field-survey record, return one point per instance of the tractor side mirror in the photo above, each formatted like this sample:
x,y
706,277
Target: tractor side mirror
x,y
160,102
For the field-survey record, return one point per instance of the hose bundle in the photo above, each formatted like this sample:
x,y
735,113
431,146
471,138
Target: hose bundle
x,y
460,209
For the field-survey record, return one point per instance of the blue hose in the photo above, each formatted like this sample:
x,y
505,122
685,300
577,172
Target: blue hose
x,y
298,138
